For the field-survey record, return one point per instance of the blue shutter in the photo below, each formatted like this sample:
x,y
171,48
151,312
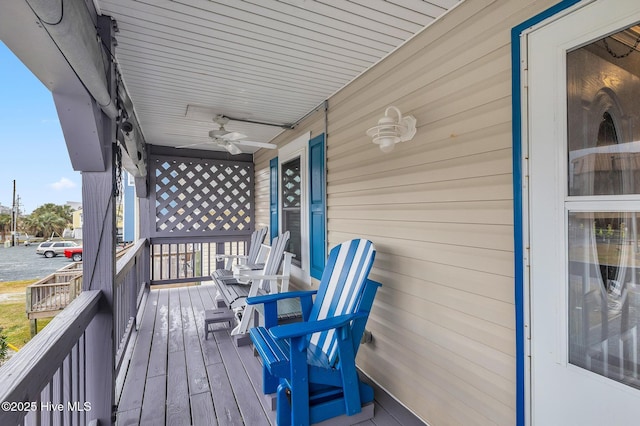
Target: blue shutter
x,y
317,206
273,197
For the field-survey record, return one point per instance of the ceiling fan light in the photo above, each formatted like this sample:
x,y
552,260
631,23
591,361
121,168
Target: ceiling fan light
x,y
233,149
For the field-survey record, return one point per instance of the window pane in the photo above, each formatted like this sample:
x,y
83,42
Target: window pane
x,y
291,202
603,116
604,297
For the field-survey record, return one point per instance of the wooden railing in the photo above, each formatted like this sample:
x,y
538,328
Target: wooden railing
x,y
46,382
47,297
183,260
51,379
50,295
129,293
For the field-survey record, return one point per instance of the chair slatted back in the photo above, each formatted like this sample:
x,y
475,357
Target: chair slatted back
x,y
341,288
257,237
275,257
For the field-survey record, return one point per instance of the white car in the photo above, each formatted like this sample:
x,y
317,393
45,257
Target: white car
x,y
53,248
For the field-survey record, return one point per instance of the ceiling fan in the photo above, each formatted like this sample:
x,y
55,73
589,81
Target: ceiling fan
x,y
229,140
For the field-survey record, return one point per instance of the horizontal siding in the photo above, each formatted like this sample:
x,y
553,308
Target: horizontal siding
x,y
261,193
439,210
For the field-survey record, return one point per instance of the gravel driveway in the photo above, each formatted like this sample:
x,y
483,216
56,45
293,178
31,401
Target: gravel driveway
x,y
22,263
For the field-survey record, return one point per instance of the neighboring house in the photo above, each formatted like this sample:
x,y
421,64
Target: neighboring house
x,y
506,230
75,205
77,224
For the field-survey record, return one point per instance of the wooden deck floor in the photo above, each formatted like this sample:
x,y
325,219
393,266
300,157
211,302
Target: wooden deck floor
x,y
177,377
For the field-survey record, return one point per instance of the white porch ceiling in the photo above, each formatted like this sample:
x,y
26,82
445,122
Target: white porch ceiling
x,y
264,60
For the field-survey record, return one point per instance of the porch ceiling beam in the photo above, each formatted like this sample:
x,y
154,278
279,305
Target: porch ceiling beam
x,y
71,26
22,32
81,122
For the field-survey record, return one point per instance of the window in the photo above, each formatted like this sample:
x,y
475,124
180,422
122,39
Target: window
x,y
291,195
297,203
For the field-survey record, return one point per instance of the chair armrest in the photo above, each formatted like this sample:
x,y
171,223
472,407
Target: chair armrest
x,y
230,256
267,298
270,302
299,329
260,277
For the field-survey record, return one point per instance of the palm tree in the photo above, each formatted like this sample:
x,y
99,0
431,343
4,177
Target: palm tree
x,y
5,224
50,222
47,219
63,211
31,225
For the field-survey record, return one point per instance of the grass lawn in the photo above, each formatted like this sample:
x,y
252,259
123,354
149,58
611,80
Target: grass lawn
x,y
13,318
15,286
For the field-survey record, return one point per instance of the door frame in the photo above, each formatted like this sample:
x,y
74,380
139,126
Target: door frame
x,y
520,201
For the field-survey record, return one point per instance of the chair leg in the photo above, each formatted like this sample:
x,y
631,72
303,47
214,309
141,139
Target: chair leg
x,y
350,380
300,404
283,409
269,382
245,321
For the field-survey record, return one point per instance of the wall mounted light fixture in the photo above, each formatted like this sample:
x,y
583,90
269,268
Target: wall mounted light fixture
x,y
391,131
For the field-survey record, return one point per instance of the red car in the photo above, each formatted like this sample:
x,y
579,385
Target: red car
x,y
74,253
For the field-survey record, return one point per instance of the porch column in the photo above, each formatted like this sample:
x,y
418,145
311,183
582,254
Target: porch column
x,y
99,242
145,220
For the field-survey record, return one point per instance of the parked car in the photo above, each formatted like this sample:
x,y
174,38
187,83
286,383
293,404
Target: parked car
x,y
53,248
74,253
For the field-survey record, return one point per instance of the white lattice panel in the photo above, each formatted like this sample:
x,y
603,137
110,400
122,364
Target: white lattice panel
x,y
196,196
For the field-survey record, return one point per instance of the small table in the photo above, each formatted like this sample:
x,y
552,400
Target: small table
x,y
214,316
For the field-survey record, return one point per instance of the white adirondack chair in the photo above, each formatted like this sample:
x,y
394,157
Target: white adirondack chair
x,y
252,257
246,282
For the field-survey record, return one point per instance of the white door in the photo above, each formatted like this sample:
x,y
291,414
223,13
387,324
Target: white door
x,y
583,141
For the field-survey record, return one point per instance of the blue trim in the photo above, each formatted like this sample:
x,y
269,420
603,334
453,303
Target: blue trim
x,y
129,217
273,198
517,198
317,206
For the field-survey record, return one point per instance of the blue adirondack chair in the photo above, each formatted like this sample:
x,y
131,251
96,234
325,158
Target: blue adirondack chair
x,y
311,364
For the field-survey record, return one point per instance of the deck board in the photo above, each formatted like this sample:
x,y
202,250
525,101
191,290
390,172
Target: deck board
x,y
250,407
200,300
202,410
133,390
153,405
176,341
226,409
196,371
177,377
158,358
178,407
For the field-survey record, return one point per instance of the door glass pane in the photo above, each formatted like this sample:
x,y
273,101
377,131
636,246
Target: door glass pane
x,y
603,126
604,295
291,207
603,88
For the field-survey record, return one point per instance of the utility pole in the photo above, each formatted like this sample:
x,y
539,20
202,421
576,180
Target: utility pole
x,y
14,217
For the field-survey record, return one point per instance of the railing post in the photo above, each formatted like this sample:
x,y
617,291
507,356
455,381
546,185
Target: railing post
x,y
219,250
99,269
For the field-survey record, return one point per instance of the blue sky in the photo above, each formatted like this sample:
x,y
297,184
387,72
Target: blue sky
x,y
32,147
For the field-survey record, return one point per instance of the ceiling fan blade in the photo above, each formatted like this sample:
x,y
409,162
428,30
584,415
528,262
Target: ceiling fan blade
x,y
258,144
193,144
